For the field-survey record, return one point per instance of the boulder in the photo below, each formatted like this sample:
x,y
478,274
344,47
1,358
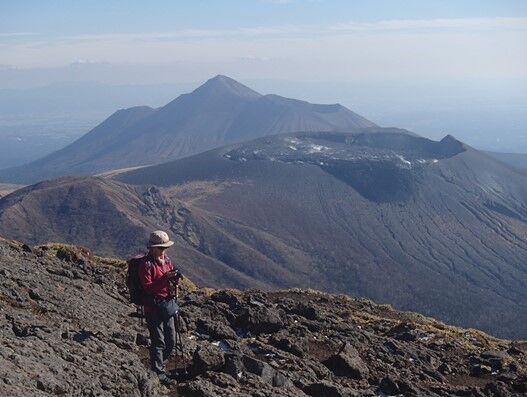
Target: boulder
x,y
327,389
393,348
305,310
260,368
389,386
234,366
280,380
215,329
444,368
207,358
479,370
261,319
231,298
296,346
403,331
347,363
495,359
497,389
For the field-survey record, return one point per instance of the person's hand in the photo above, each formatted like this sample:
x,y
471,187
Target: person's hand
x,y
174,275
171,275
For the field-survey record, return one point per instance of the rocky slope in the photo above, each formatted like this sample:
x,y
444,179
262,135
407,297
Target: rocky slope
x,y
220,111
66,330
64,327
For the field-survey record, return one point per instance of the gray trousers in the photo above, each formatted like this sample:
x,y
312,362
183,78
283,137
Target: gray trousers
x,y
162,340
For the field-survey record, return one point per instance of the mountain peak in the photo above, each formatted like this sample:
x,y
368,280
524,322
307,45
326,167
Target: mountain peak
x,y
224,85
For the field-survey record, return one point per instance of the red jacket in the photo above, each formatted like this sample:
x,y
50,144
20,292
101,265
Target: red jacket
x,y
154,281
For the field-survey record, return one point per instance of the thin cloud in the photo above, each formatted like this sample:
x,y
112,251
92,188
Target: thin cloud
x,y
7,35
434,24
403,25
434,48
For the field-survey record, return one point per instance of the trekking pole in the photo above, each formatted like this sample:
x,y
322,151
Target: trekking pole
x,y
179,340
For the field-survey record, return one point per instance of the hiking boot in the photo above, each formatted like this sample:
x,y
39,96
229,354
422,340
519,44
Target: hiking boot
x,y
164,379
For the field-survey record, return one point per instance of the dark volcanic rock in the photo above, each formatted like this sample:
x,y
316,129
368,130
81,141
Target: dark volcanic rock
x,y
66,336
390,387
261,319
327,389
260,368
215,329
403,331
291,344
207,358
348,363
234,366
305,310
61,344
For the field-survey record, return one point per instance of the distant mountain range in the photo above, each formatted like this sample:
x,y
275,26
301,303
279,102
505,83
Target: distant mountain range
x,y
220,111
435,227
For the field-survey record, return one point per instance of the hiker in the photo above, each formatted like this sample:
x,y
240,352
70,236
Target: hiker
x,y
156,272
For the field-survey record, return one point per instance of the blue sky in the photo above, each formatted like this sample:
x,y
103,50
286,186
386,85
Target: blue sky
x,y
110,16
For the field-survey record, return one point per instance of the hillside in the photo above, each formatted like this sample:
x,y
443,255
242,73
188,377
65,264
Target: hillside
x,y
220,111
518,160
56,341
112,218
433,227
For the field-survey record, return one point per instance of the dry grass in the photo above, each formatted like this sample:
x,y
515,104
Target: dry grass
x,y
187,285
369,314
193,191
112,173
77,253
6,188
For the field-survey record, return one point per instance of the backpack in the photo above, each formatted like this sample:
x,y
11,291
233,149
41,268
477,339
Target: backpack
x,y
132,280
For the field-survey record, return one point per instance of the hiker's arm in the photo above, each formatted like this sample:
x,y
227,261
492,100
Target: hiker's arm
x,y
149,284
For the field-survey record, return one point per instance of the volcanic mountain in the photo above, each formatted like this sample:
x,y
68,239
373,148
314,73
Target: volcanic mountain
x,y
220,111
434,227
518,160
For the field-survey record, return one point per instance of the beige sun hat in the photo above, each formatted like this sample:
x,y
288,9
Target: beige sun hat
x,y
159,238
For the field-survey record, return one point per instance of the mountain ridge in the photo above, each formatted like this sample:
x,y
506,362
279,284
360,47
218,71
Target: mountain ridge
x,y
218,112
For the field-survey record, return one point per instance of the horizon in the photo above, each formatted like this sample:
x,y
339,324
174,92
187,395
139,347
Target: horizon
x,y
436,68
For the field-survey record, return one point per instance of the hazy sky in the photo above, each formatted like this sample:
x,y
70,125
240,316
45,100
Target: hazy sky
x,y
303,40
432,66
